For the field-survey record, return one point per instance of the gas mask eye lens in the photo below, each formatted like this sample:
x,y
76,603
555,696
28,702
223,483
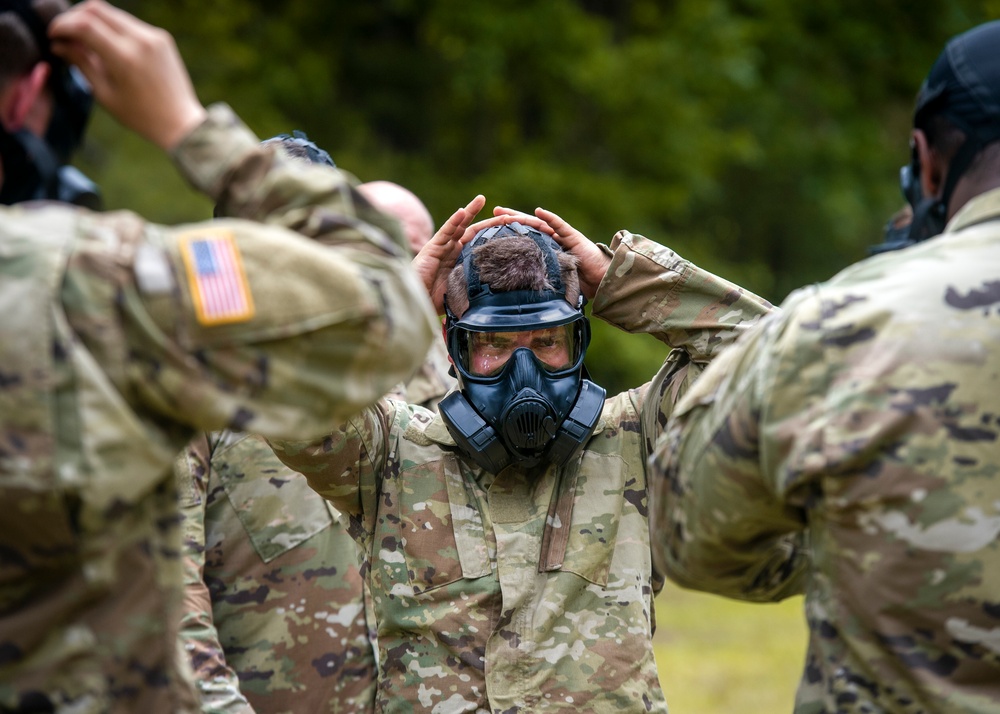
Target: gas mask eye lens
x,y
485,354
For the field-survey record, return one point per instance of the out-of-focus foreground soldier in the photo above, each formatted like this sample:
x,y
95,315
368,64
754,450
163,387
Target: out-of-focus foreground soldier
x,y
118,338
433,379
506,539
860,427
274,607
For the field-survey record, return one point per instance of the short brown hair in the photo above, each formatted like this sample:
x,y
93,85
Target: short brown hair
x,y
511,263
19,51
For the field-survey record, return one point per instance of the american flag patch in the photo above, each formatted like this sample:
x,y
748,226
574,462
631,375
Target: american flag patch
x,y
215,275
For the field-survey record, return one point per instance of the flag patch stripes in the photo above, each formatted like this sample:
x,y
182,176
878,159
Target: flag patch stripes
x,y
216,278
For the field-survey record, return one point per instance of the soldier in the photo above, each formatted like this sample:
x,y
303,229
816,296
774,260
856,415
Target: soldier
x,y
858,429
118,338
506,542
274,606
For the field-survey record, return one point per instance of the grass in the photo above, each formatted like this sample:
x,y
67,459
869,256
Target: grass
x,y
717,656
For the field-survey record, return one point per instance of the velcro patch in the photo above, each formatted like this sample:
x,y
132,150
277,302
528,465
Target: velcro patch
x,y
216,277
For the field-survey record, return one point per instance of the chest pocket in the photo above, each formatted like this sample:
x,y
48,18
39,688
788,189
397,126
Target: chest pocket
x,y
440,528
586,521
275,505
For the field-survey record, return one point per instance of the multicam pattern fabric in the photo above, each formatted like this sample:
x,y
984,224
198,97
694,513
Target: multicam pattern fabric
x,y
432,381
850,449
274,615
525,590
105,372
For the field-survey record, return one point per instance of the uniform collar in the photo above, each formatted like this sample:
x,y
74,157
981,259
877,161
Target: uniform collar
x,y
982,208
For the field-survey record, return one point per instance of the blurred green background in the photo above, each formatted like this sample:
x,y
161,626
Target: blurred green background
x,y
759,138
719,656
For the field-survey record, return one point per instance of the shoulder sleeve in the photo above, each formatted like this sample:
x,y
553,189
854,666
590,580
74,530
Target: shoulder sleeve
x,y
283,325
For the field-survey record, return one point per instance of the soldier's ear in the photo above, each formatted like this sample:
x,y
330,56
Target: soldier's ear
x,y
932,168
21,105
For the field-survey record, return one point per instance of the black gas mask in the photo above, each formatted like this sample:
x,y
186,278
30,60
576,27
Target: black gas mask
x,y
38,168
519,355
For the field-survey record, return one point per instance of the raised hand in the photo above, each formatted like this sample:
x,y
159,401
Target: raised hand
x,y
593,263
133,68
436,259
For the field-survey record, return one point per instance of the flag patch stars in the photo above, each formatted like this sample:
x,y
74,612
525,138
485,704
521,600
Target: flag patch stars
x,y
216,277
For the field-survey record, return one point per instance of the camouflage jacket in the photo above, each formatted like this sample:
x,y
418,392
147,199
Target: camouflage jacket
x,y
117,339
858,431
432,381
274,612
525,591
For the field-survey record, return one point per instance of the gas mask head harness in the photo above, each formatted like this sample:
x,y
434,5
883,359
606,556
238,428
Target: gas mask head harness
x,y
36,167
963,87
524,396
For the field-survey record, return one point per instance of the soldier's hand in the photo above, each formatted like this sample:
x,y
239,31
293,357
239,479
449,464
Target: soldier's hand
x,y
593,263
436,259
134,69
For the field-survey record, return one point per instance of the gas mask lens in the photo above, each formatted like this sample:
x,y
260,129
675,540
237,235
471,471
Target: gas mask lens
x,y
484,354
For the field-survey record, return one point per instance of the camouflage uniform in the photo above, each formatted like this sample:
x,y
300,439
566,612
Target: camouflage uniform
x,y
858,431
274,609
258,569
110,340
523,591
432,381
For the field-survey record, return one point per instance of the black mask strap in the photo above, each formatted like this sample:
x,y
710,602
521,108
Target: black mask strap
x,y
30,167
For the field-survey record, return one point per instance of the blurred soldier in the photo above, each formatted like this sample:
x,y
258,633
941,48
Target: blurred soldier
x,y
505,540
859,429
118,338
274,607
434,379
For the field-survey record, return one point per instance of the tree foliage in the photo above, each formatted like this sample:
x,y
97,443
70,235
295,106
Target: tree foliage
x,y
759,138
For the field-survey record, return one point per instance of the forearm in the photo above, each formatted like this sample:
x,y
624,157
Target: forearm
x,y
650,288
218,685
224,160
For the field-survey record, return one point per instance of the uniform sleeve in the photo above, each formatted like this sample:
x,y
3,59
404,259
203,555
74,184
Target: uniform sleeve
x,y
218,685
721,518
282,325
347,465
649,288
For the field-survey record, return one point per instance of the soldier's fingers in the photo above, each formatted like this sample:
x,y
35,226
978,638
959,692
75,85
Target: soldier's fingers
x,y
561,227
527,219
476,205
77,54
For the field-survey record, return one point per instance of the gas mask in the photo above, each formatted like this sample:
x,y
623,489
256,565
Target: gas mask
x,y
519,355
38,168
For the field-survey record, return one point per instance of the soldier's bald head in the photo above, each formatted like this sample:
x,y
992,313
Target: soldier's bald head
x,y
404,206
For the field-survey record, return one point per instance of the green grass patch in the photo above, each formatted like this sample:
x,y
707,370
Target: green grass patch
x,y
718,656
